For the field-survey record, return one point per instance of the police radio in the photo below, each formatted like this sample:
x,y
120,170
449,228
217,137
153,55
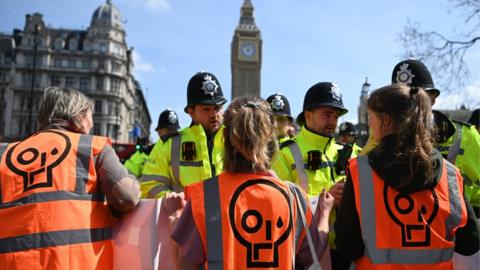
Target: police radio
x,y
188,151
314,159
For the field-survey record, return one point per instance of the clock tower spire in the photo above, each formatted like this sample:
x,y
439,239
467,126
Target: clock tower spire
x,y
246,54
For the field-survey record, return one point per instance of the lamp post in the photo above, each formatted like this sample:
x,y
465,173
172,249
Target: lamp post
x,y
36,31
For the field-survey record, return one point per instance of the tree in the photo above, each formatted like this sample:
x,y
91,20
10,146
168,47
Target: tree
x,y
445,56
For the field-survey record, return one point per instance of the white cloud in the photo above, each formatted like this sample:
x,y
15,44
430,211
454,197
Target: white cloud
x,y
470,97
140,65
151,5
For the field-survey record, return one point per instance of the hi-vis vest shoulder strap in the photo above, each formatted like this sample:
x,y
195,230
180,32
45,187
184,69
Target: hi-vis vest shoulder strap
x,y
52,174
239,232
299,165
418,244
454,149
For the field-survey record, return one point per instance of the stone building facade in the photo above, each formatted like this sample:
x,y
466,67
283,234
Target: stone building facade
x,y
95,61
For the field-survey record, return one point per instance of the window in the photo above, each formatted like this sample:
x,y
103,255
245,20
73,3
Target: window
x,y
71,82
101,65
97,129
87,46
103,48
100,83
57,62
54,80
98,107
58,44
71,63
113,131
84,83
86,64
111,106
73,44
116,83
116,67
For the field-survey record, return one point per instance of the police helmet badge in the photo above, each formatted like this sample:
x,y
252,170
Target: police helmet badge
x,y
209,86
335,90
343,127
404,75
172,118
277,103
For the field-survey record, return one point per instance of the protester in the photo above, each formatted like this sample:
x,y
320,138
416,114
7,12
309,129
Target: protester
x,y
246,217
403,205
53,188
458,142
196,152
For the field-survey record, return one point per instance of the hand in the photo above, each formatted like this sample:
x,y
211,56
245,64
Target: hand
x,y
173,203
337,190
325,202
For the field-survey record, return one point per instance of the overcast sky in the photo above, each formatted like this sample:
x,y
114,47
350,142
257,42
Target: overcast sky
x,y
304,42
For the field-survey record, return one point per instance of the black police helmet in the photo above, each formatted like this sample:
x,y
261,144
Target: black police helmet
x,y
280,105
346,128
204,88
475,118
319,95
168,119
414,73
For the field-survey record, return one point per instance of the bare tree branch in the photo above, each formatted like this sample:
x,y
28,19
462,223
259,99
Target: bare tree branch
x,y
445,56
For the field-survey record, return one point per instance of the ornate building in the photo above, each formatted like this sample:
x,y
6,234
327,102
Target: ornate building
x,y
246,55
95,61
362,126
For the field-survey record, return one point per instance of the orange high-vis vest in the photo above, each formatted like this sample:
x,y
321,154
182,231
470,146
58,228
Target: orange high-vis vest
x,y
52,213
407,231
247,221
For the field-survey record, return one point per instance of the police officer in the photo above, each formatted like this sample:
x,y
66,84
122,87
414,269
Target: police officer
x,y
347,135
196,153
458,142
310,158
168,124
135,163
283,118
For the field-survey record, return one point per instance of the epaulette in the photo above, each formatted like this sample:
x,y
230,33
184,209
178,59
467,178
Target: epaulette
x,y
167,136
286,143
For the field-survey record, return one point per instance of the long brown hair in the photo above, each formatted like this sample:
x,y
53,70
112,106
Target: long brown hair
x,y
250,141
410,109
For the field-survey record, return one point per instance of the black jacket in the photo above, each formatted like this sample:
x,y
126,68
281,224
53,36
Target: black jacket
x,y
393,169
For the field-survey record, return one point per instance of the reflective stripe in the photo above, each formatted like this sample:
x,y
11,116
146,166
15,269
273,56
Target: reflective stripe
x,y
55,238
156,178
3,147
455,147
175,158
213,224
369,229
454,218
301,209
83,163
191,163
156,190
299,165
59,195
298,222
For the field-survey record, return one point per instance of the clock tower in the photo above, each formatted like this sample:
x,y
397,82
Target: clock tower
x,y
246,55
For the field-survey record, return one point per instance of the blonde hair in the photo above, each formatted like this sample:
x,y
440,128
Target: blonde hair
x,y
250,141
63,106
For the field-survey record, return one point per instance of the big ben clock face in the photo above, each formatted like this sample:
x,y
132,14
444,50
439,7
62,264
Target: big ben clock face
x,y
248,50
